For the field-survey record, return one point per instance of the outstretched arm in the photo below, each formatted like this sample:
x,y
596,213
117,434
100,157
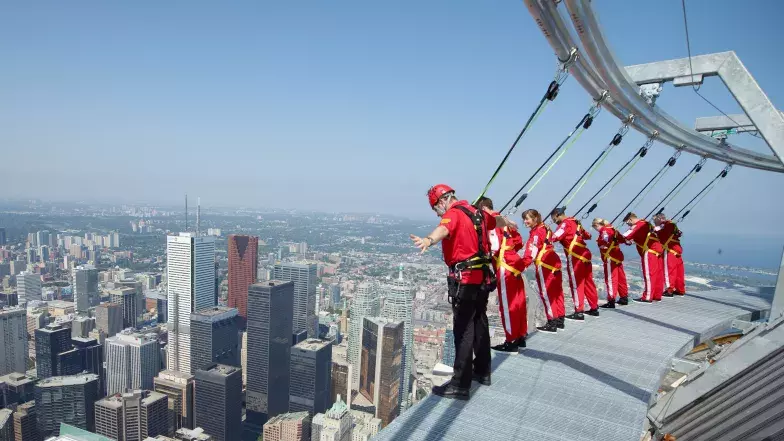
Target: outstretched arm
x,y
437,235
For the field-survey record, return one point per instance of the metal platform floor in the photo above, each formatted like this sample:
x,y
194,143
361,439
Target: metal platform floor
x,y
592,381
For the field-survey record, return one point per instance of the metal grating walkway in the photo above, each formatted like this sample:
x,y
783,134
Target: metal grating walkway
x,y
592,381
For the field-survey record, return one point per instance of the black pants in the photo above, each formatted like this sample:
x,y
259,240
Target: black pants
x,y
472,335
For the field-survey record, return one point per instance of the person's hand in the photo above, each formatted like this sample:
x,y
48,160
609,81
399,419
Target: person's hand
x,y
422,244
511,224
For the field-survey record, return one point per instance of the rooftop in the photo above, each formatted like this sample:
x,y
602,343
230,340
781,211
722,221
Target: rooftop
x,y
70,380
313,344
221,369
594,381
215,312
15,379
292,416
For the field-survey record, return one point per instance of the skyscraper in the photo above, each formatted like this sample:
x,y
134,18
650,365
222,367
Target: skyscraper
x,y
13,340
334,425
219,401
288,427
398,306
109,318
49,342
311,376
448,350
132,362
132,416
270,309
26,423
6,425
382,357
85,288
243,268
366,304
304,277
214,337
91,359
179,388
3,237
126,298
340,380
190,276
16,388
69,400
28,287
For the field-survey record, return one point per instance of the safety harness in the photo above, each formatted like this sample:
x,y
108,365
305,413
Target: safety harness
x,y
538,261
501,262
479,261
575,242
675,236
650,237
613,245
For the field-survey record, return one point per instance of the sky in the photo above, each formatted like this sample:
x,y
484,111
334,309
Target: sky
x,y
350,105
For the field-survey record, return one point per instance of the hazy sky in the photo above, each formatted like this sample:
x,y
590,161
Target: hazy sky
x,y
347,105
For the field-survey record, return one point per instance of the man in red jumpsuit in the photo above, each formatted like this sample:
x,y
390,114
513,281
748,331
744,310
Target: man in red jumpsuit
x,y
466,246
672,258
504,244
572,237
650,249
612,258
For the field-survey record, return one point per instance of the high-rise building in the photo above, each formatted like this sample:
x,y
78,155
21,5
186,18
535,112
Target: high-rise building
x,y
132,362
304,277
28,287
382,358
334,296
3,237
179,388
109,318
13,340
270,309
190,277
366,426
398,306
68,400
219,401
49,342
243,272
81,326
448,350
366,304
132,416
91,359
26,423
334,425
6,425
293,426
85,287
126,298
214,337
340,380
44,238
311,376
16,388
244,356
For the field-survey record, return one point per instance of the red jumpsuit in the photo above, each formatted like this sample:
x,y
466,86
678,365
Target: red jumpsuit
x,y
650,250
612,256
572,237
539,251
504,244
672,265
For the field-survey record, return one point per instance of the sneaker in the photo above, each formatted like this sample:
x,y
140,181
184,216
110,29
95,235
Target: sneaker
x,y
577,316
548,328
641,300
623,301
559,323
520,342
668,294
609,305
451,392
593,312
484,380
506,347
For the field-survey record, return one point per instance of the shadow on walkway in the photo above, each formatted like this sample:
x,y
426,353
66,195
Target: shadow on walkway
x,y
659,323
748,308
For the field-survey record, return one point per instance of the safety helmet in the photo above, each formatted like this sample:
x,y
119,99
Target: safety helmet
x,y
436,191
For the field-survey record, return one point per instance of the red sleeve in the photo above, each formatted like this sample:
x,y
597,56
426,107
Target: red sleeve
x,y
516,240
450,220
563,228
490,220
586,234
530,251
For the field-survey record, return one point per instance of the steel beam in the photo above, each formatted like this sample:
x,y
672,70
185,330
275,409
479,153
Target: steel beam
x,y
711,123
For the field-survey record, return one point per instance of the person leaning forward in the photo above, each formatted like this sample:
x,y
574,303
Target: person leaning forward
x,y
466,247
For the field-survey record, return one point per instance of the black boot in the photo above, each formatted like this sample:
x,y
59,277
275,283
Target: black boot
x,y
668,294
452,392
520,342
548,327
484,380
577,316
609,305
678,293
623,301
506,347
593,312
559,323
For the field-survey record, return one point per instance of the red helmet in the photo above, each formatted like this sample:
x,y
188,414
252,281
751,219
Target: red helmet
x,y
436,191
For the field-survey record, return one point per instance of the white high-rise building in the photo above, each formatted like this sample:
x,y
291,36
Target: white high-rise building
x,y
304,276
13,340
366,304
132,362
85,287
28,287
190,277
398,306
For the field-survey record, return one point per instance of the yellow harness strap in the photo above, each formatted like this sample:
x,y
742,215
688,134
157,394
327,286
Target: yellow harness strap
x,y
606,254
500,259
541,254
645,245
574,243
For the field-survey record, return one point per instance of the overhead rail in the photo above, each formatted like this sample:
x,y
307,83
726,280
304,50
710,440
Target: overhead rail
x,y
625,101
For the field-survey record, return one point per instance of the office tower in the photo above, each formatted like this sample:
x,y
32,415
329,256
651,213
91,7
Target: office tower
x,y
382,358
69,362
44,238
190,277
298,336
270,309
132,362
214,337
16,388
132,416
28,287
91,359
340,380
219,401
311,376
13,340
179,388
26,423
244,357
6,425
126,280
334,425
366,304
109,318
304,277
85,287
49,342
334,296
81,326
366,426
43,252
448,350
243,268
398,306
69,399
17,267
293,426
3,237
32,256
126,298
